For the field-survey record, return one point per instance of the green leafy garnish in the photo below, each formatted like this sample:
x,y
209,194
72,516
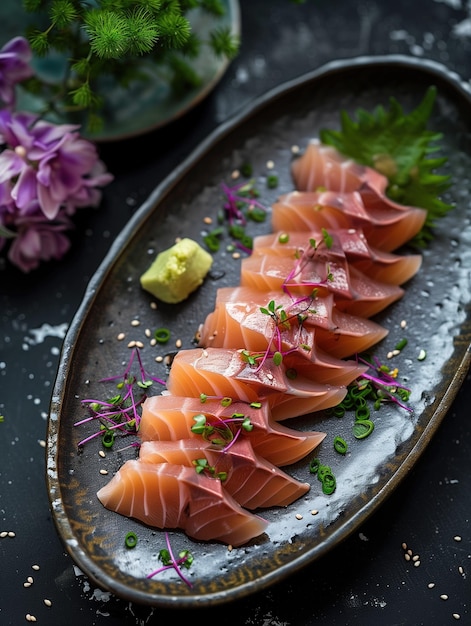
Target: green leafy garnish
x,y
399,146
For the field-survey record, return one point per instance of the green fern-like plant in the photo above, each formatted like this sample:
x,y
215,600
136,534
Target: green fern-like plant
x,y
110,38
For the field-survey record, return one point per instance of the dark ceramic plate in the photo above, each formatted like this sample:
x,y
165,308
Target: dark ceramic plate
x,y
436,308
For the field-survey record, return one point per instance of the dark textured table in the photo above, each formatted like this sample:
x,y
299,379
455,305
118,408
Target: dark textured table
x,y
365,580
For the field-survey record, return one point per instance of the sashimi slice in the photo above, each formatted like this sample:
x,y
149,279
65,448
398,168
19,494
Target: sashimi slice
x,y
338,333
257,332
175,496
384,266
353,292
169,417
386,227
225,373
322,166
250,479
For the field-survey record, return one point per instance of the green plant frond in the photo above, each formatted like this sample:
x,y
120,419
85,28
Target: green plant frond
x,y
31,5
107,32
184,76
174,31
81,67
63,13
39,42
224,43
399,146
142,32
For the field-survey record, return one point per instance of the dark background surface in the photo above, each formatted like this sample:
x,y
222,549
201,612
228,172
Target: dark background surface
x,y
364,581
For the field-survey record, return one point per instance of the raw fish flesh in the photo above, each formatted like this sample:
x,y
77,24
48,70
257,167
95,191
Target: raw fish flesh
x,y
175,496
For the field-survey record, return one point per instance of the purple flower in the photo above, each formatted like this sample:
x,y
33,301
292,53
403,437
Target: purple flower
x,y
49,164
38,239
15,57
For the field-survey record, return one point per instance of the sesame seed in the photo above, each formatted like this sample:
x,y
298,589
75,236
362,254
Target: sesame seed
x,y
270,165
104,472
148,332
30,618
30,580
35,567
11,533
102,454
299,516
404,546
389,355
42,443
47,602
235,174
153,305
208,220
159,358
120,336
415,557
139,344
456,615
153,341
403,323
26,584
229,548
132,344
236,255
314,512
416,564
460,570
407,556
409,552
178,343
457,538
294,149
443,596
135,323
431,585
396,352
4,533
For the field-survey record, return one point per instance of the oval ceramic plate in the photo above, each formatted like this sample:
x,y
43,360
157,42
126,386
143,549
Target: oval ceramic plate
x,y
140,107
435,306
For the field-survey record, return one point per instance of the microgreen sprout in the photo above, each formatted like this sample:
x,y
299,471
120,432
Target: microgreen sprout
x,y
121,412
303,259
283,320
241,205
202,466
185,559
223,432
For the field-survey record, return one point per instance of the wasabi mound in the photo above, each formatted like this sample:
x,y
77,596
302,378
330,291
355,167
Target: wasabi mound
x,y
177,272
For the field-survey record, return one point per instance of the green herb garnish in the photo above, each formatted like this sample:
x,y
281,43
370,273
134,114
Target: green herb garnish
x,y
399,146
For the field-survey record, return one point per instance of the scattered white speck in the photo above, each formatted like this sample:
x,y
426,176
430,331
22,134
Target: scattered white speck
x,y
363,537
46,330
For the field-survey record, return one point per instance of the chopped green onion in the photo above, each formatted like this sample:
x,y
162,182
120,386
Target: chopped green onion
x,y
272,181
362,428
162,335
108,439
401,344
130,540
314,466
283,238
329,483
340,445
246,169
